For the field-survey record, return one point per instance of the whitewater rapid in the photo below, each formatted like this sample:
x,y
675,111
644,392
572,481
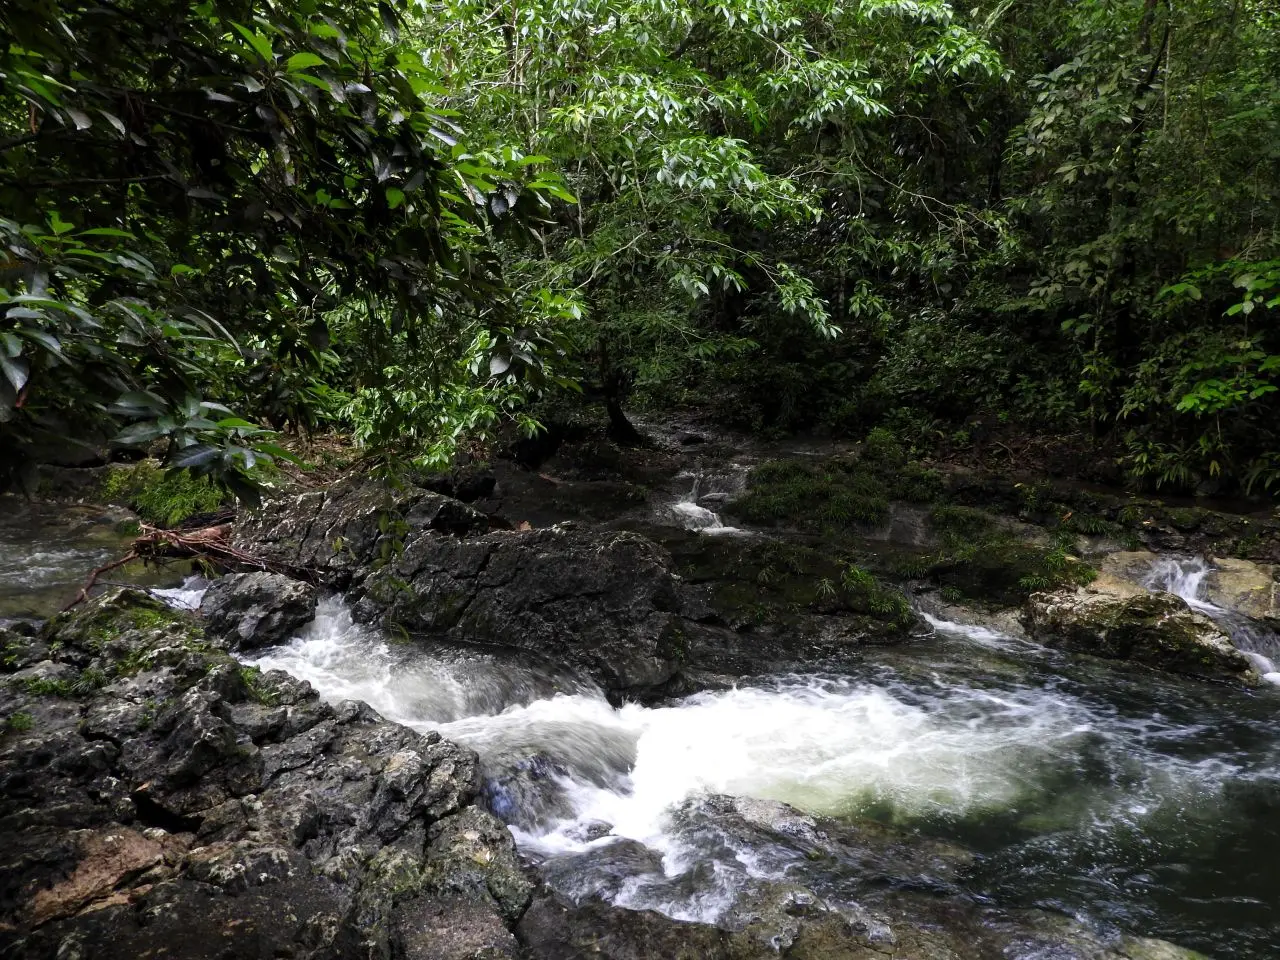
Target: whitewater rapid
x,y
574,776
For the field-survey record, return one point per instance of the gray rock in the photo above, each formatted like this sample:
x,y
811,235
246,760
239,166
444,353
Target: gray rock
x,y
603,603
182,805
341,531
253,610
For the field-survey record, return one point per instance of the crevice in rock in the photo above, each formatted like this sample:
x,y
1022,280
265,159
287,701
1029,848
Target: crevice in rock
x,y
151,814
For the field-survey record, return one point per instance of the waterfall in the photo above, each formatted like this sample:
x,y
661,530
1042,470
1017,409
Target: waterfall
x,y
1185,577
696,489
186,597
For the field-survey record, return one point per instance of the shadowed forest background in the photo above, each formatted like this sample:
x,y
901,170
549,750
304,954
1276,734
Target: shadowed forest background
x,y
1044,231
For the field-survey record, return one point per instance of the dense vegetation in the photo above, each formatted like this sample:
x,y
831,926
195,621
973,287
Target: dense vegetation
x,y
417,223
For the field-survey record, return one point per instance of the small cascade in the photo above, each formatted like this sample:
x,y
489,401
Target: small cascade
x,y
186,597
1185,578
696,490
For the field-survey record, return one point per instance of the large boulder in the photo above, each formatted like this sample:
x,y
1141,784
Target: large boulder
x,y
603,603
252,610
342,531
1157,630
158,799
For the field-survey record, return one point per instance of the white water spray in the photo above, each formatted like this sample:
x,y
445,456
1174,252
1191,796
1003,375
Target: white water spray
x,y
696,489
580,780
186,597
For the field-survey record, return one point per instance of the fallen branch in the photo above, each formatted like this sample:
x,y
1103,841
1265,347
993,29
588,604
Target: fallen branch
x,y
208,544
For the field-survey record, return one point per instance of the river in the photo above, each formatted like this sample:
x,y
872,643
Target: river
x,y
1122,797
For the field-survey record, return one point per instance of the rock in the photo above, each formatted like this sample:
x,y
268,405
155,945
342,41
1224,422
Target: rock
x,y
253,610
1156,630
473,849
605,604
344,529
106,859
602,603
167,801
453,928
1245,587
1122,574
908,927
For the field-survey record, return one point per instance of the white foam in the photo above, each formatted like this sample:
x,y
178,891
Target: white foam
x,y
826,745
984,636
186,597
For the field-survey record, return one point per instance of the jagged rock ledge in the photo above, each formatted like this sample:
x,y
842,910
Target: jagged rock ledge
x,y
157,799
606,604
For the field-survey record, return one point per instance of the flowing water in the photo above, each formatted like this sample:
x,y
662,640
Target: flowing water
x,y
46,553
698,494
1123,797
1126,798
1185,577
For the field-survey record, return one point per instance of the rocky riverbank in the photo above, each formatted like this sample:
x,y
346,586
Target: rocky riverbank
x,y
159,798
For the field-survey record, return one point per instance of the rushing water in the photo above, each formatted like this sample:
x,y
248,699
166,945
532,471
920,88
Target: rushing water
x,y
1127,798
697,495
1124,797
1185,577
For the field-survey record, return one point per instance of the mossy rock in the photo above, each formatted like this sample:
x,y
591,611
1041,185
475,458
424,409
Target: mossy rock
x,y
1156,630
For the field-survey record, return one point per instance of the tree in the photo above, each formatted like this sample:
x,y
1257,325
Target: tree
x,y
195,190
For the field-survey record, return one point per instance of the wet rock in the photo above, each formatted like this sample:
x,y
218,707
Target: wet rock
x,y
452,928
253,610
906,927
473,850
1156,630
602,603
167,801
342,530
1244,587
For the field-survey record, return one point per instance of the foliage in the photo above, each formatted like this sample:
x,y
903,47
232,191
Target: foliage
x,y
198,197
947,222
698,139
160,497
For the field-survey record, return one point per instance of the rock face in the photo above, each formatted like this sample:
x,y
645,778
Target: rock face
x,y
156,799
251,610
1156,630
603,603
347,529
1245,587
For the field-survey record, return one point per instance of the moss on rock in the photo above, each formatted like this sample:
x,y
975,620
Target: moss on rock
x,y
1156,630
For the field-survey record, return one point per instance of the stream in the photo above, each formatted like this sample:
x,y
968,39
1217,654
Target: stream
x,y
1121,797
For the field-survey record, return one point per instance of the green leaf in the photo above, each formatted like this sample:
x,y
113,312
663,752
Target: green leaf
x,y
16,371
261,45
106,232
395,197
139,433
300,61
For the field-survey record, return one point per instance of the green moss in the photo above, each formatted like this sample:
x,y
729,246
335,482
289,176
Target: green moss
x,y
20,721
154,618
1186,519
828,495
164,498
